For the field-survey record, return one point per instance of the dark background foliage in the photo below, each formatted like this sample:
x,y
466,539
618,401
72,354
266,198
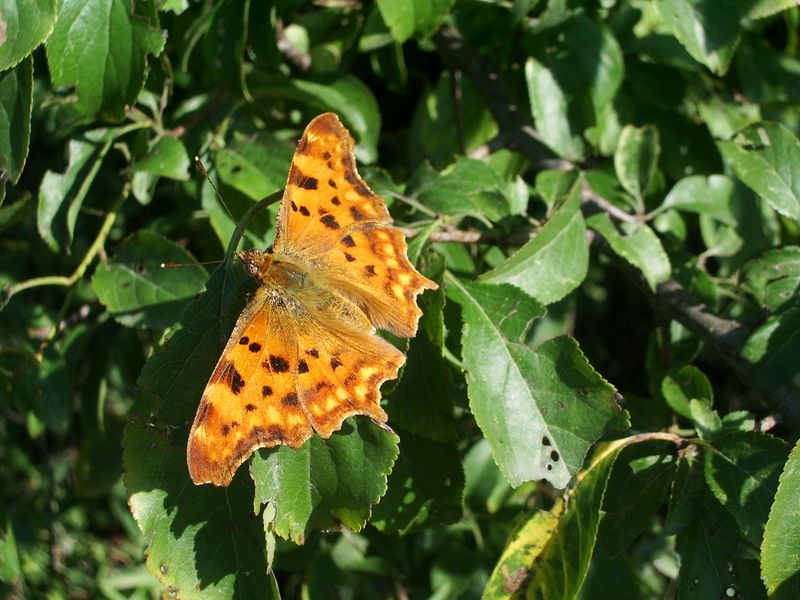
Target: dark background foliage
x,y
603,395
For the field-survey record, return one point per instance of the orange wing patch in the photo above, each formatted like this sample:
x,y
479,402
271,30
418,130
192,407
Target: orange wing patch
x,y
304,355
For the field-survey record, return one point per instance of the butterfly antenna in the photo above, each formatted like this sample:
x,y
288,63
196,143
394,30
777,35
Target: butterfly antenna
x,y
194,264
199,164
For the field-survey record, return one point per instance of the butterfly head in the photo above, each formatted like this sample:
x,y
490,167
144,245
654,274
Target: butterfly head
x,y
256,262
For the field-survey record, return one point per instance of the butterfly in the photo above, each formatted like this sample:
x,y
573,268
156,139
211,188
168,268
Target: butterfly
x,y
304,354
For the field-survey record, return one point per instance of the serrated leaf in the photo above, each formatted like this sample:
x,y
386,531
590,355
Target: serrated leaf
x,y
774,277
201,541
780,551
637,244
257,165
710,196
326,482
540,409
636,158
742,470
709,31
137,291
555,261
166,158
548,557
61,195
766,157
774,347
99,47
714,560
468,187
16,98
25,25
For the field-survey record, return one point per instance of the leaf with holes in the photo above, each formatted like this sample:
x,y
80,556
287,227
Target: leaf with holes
x,y
540,409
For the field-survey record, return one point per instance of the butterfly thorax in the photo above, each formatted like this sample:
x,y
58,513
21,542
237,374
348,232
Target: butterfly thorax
x,y
278,270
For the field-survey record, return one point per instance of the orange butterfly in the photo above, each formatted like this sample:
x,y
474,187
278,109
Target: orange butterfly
x,y
304,354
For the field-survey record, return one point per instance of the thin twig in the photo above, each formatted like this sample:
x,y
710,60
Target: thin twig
x,y
588,195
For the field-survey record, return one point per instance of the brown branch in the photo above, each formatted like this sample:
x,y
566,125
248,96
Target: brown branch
x,y
516,132
725,336
459,236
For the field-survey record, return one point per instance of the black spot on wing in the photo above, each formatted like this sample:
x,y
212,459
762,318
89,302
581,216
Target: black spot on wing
x,y
329,221
303,181
304,211
254,347
266,391
278,363
289,399
348,241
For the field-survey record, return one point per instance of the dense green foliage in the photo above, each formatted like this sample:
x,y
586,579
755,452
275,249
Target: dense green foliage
x,y
603,395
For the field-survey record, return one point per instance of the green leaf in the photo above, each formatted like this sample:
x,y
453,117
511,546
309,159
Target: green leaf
x,y
406,17
16,98
767,75
224,43
710,196
780,551
201,541
775,346
636,158
255,165
137,291
706,420
326,482
9,557
469,187
25,25
101,49
709,31
766,157
686,384
637,244
774,277
549,107
540,409
759,9
636,489
742,470
426,486
61,196
548,556
166,158
348,96
441,132
688,484
573,74
714,560
555,261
